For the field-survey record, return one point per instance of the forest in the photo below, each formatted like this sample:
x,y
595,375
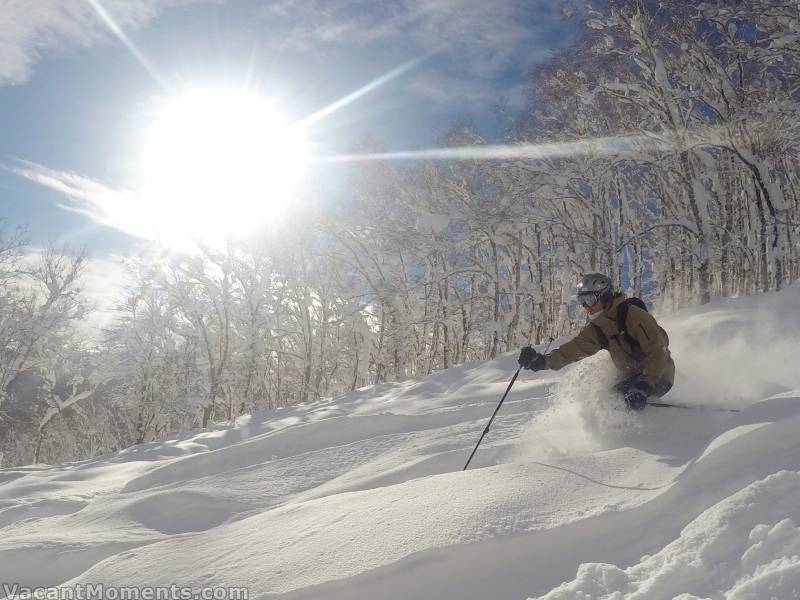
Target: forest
x,y
661,149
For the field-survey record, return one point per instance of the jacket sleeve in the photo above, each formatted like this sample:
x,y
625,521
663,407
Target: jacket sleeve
x,y
643,327
581,346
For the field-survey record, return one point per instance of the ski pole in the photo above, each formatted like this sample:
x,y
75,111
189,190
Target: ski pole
x,y
494,414
489,424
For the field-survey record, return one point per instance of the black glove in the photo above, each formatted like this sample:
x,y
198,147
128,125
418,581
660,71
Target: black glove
x,y
637,394
531,359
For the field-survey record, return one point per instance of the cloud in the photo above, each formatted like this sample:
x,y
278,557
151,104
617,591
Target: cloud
x,y
479,41
449,89
103,283
119,209
33,29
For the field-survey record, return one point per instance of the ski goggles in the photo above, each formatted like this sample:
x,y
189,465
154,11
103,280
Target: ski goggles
x,y
587,299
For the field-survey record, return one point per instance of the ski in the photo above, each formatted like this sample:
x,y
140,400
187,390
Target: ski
x,y
690,407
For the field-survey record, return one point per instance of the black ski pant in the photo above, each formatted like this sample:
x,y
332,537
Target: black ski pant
x,y
661,387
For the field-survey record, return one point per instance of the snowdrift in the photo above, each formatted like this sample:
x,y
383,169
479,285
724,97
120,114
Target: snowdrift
x,y
363,496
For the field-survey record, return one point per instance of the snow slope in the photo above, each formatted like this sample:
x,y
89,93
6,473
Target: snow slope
x,y
363,496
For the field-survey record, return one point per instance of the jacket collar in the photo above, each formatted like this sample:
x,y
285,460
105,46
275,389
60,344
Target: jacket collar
x,y
607,321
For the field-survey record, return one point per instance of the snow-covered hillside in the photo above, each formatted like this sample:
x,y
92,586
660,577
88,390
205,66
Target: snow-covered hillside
x,y
363,496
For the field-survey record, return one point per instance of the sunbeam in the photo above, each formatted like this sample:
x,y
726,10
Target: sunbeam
x,y
372,85
595,147
498,152
621,146
126,41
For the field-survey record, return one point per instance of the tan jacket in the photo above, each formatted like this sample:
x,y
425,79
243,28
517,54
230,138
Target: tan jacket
x,y
650,357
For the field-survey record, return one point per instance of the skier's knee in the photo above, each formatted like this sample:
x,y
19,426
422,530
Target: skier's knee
x,y
662,387
635,401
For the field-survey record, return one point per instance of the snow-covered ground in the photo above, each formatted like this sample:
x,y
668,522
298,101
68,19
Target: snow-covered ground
x,y
363,496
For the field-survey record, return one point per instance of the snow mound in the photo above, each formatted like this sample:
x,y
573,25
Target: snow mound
x,y
338,536
746,547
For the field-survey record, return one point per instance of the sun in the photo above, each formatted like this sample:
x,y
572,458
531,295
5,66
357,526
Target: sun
x,y
219,163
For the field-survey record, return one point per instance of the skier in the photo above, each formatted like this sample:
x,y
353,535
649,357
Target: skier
x,y
639,347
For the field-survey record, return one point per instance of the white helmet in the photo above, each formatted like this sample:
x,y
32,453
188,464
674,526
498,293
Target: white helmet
x,y
593,288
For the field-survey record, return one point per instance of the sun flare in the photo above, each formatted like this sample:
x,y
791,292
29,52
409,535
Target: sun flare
x,y
218,163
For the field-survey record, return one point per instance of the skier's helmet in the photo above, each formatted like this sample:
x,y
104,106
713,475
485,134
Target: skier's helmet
x,y
593,288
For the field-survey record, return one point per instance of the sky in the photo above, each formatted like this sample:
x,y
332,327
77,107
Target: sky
x,y
79,80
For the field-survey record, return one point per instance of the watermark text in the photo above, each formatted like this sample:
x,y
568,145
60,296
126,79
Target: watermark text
x,y
99,591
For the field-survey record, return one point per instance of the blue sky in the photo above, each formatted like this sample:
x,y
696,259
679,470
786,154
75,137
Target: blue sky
x,y
74,100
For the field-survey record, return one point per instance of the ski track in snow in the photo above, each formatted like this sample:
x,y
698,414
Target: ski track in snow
x,y
363,496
